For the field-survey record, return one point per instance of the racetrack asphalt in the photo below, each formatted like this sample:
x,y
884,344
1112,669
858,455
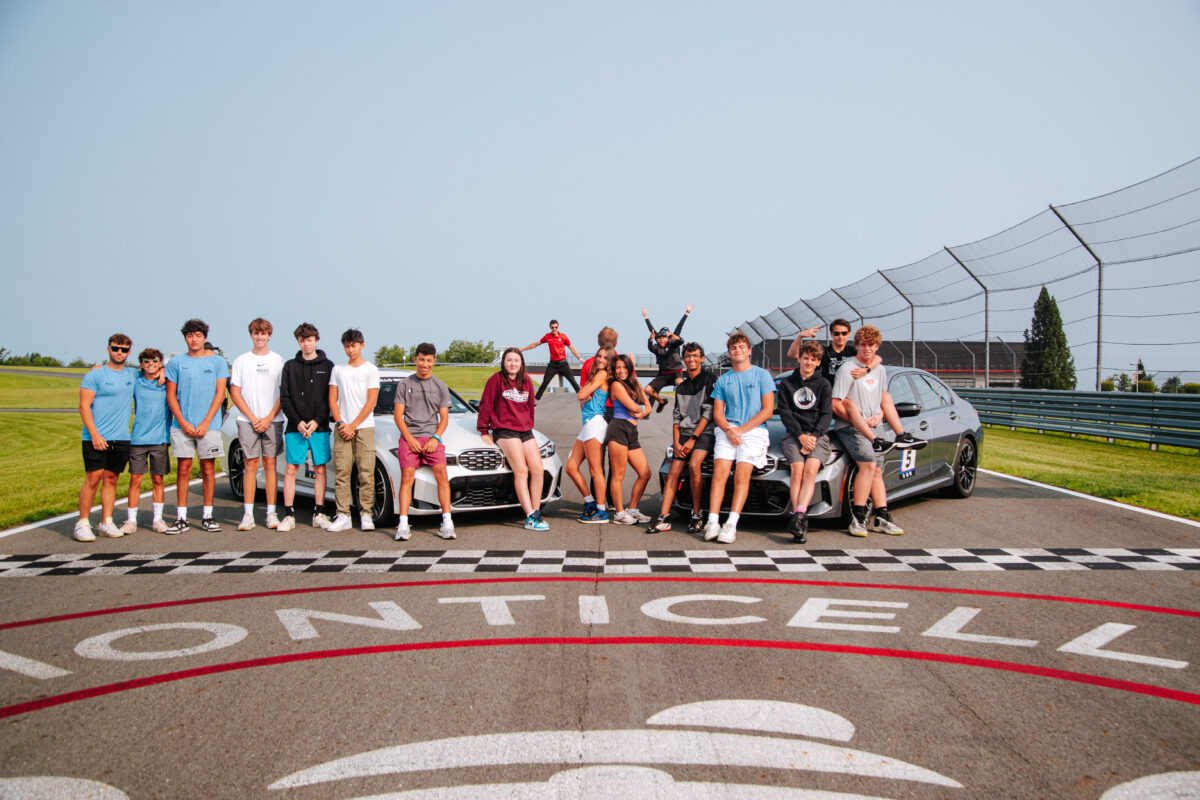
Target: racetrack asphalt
x,y
1022,643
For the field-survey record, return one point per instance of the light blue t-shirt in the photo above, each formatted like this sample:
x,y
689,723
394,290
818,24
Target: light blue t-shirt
x,y
113,402
150,412
742,393
195,382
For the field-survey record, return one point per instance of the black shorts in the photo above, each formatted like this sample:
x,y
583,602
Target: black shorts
x,y
505,433
664,379
623,432
704,441
114,459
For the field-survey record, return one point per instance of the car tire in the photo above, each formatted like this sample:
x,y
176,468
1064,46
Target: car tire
x,y
848,496
965,471
383,512
236,469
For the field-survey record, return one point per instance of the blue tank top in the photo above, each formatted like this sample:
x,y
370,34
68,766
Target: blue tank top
x,y
620,411
594,407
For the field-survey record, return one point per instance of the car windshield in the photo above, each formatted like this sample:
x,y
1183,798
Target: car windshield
x,y
386,404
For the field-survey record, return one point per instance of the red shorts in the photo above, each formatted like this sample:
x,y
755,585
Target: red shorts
x,y
410,460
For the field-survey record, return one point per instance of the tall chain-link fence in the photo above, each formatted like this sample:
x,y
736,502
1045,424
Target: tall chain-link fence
x,y
1124,268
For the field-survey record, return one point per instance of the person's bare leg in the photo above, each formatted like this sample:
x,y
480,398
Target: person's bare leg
x,y
533,463
637,459
617,456
514,454
741,486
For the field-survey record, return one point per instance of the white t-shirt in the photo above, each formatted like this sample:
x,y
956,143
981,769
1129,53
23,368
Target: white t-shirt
x,y
353,384
866,393
258,378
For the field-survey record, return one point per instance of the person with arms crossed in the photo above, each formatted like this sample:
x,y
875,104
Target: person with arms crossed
x,y
692,436
304,398
506,411
254,381
105,402
806,413
353,390
743,401
558,343
422,413
148,449
195,392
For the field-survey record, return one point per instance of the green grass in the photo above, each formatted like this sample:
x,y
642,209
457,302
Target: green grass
x,y
38,391
1167,480
42,468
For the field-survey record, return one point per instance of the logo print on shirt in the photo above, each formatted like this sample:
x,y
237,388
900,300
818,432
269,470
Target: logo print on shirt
x,y
869,381
804,398
515,395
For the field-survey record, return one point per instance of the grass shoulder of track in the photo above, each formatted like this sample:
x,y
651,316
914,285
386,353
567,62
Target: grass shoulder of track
x,y
38,391
1167,480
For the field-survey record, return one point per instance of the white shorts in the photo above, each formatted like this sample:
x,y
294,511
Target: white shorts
x,y
594,428
752,450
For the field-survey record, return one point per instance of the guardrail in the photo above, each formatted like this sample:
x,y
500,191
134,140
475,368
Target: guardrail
x,y
1157,419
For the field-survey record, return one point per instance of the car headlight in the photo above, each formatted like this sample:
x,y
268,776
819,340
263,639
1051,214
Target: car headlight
x,y
546,450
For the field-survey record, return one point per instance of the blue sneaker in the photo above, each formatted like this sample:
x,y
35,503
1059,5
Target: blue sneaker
x,y
597,516
534,522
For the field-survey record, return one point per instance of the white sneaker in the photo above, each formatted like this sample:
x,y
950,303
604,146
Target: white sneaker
x,y
728,533
446,531
129,527
712,529
366,522
857,528
83,531
286,524
882,524
158,526
272,520
623,518
340,523
321,521
638,516
247,523
403,532
109,530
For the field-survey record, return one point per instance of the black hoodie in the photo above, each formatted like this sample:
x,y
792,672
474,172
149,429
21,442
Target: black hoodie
x,y
304,391
805,406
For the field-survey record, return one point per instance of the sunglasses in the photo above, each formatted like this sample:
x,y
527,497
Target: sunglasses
x,y
118,349
841,333
151,360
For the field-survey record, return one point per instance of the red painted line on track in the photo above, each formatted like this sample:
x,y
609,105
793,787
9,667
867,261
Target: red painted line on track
x,y
878,652
597,579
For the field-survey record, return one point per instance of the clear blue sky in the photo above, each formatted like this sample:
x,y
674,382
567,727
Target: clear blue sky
x,y
429,171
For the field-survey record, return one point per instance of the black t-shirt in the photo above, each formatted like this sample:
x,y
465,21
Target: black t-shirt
x,y
831,362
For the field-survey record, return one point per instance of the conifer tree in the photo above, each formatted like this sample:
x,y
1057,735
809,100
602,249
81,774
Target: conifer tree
x,y
1048,363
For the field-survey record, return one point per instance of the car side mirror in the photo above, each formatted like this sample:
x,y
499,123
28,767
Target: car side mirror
x,y
908,409
474,404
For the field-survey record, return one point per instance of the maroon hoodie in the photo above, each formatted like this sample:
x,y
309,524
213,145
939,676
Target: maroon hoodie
x,y
502,407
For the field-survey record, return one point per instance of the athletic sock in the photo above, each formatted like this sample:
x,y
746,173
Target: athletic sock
x,y
589,499
288,511
158,509
860,512
181,512
446,518
271,509
714,517
108,521
601,507
733,519
247,508
208,512
404,520
132,514
802,509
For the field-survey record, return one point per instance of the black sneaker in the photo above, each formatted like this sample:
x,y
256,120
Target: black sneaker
x,y
209,524
178,526
906,441
696,523
881,445
798,527
661,524
662,403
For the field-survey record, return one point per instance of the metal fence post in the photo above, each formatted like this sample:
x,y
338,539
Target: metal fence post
x,y
987,318
1099,289
912,319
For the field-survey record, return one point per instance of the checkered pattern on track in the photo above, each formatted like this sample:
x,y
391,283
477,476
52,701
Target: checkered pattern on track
x,y
634,562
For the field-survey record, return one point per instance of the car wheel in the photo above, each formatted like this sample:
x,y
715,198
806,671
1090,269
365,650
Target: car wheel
x,y
236,469
381,511
848,496
966,467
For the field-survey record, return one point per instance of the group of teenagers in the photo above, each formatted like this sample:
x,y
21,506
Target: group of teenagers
x,y
842,385
287,408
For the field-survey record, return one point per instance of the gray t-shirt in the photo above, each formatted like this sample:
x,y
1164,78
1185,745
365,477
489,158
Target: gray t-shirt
x,y
866,393
422,401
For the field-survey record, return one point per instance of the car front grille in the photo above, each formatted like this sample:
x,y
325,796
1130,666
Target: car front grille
x,y
773,463
480,460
